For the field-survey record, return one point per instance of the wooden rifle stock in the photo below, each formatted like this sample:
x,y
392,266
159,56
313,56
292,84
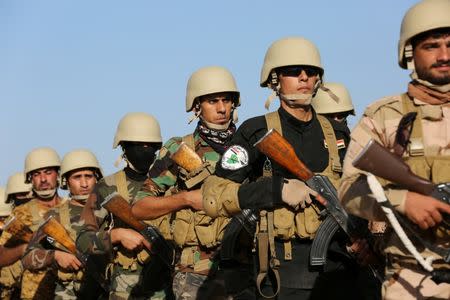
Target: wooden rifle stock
x,y
18,229
119,207
187,158
56,231
278,148
377,160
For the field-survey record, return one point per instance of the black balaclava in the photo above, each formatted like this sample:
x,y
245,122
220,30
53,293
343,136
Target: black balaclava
x,y
140,156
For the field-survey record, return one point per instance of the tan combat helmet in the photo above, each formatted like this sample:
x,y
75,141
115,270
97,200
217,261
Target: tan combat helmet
x,y
79,159
137,127
39,158
16,184
5,208
289,51
333,98
424,16
210,80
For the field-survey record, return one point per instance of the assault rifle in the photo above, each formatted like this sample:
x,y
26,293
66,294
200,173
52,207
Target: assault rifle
x,y
274,146
89,289
18,229
120,208
377,160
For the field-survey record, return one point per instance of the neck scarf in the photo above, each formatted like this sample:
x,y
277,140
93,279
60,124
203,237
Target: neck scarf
x,y
217,139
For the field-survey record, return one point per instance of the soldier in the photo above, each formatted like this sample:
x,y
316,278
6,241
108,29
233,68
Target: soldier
x,y
246,179
17,193
80,171
334,102
139,135
213,96
5,208
424,48
41,170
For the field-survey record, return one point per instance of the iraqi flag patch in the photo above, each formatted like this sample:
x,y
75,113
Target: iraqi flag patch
x,y
339,143
234,158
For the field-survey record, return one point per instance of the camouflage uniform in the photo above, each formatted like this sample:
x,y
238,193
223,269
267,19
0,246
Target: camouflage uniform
x,y
68,283
35,285
10,280
94,236
405,278
194,232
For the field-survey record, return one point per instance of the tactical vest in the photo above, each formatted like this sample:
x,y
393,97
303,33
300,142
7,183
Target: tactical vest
x,y
305,222
286,223
194,228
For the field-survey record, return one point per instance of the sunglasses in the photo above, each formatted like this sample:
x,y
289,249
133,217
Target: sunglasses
x,y
295,71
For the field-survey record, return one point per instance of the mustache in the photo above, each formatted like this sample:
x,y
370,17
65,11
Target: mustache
x,y
445,63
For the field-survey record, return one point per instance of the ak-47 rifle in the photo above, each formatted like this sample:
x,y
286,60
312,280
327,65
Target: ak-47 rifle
x,y
274,146
190,161
161,248
377,160
89,288
18,229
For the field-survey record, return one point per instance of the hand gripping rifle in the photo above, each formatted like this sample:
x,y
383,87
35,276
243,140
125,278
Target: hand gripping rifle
x,y
277,148
93,266
377,160
120,208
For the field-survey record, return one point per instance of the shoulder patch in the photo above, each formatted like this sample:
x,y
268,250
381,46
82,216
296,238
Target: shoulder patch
x,y
390,101
234,158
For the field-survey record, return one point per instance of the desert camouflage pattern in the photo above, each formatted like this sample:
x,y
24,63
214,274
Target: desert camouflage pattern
x,y
380,122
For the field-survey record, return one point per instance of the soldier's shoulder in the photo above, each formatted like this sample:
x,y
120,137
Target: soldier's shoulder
x,y
171,146
390,102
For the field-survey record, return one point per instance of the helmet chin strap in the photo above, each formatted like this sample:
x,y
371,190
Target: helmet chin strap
x,y
292,100
198,115
47,194
216,126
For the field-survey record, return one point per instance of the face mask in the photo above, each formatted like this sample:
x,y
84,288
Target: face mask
x,y
139,156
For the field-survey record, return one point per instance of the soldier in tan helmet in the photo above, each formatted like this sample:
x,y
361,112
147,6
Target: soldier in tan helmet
x,y
17,193
333,100
139,136
80,171
423,48
42,171
213,96
246,179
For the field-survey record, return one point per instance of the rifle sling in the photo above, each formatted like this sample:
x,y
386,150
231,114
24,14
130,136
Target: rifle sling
x,y
416,145
266,240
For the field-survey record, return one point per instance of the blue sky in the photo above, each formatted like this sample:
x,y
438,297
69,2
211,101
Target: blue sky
x,y
69,70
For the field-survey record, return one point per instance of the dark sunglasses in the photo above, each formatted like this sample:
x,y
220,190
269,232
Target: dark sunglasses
x,y
295,71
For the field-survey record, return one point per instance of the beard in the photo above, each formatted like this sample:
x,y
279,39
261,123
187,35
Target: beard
x,y
427,75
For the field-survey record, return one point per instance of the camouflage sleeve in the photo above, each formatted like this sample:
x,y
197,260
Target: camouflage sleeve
x,y
37,258
164,172
354,191
93,236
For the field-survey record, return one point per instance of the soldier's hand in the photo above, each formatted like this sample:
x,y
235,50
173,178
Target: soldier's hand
x,y
67,261
129,238
296,193
424,211
195,199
